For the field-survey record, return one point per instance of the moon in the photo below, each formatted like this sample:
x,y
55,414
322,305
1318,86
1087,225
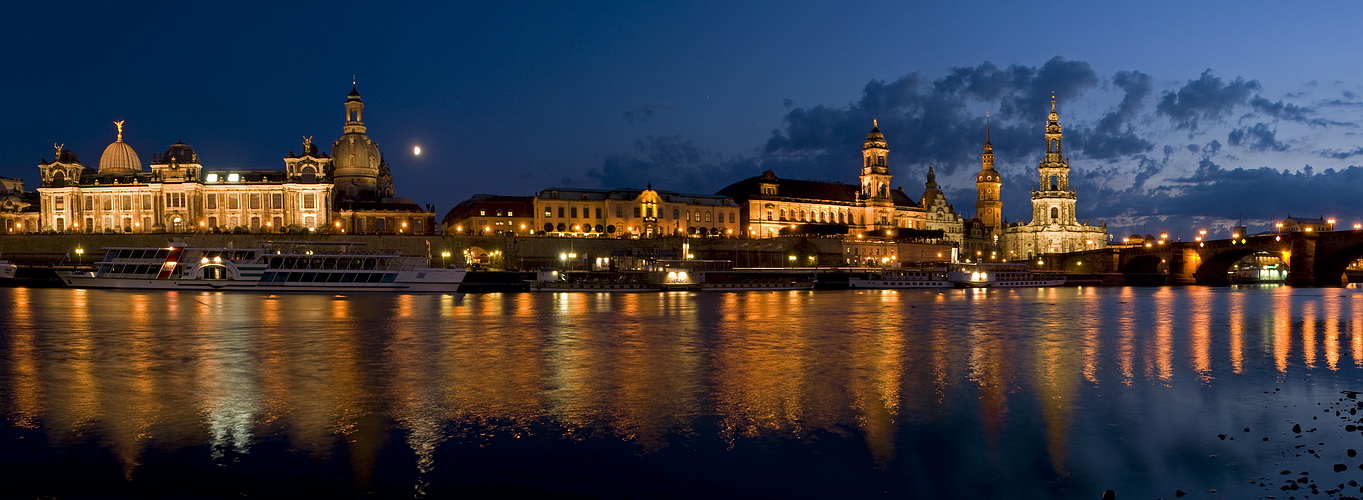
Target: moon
x,y
416,150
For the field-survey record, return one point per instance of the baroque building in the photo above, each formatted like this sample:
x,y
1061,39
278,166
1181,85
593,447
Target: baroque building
x,y
1054,228
770,206
938,213
633,213
18,208
177,194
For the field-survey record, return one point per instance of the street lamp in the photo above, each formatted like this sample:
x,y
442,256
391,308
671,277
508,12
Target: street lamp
x,y
80,254
445,255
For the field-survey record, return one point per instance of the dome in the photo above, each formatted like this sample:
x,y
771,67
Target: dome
x,y
875,139
119,158
179,152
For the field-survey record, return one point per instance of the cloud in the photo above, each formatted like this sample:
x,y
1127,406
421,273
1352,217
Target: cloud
x,y
1339,154
1257,138
645,113
1206,98
670,163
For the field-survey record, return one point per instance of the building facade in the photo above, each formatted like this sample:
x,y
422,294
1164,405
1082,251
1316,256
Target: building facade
x,y
634,213
177,194
1054,227
938,214
491,215
770,206
18,208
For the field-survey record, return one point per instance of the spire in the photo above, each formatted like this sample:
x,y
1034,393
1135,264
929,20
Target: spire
x,y
986,128
932,176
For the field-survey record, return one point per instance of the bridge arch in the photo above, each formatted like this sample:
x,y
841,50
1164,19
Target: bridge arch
x,y
1215,267
1330,266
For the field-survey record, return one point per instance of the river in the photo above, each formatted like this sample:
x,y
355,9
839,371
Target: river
x,y
1030,393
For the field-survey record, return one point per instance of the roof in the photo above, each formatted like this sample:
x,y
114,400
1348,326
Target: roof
x,y
791,189
629,194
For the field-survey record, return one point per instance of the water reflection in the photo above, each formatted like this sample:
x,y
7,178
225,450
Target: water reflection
x,y
348,377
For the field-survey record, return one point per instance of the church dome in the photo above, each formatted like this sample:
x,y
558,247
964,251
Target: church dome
x,y
119,158
875,139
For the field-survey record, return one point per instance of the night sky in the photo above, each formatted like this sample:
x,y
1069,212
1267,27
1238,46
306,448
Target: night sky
x,y
1177,116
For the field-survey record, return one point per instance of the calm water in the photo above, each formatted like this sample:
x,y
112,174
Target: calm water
x,y
1042,393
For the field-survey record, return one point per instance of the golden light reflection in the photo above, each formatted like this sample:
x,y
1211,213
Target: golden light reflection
x,y
1200,340
1163,367
1126,339
1308,335
1280,331
1236,341
1332,334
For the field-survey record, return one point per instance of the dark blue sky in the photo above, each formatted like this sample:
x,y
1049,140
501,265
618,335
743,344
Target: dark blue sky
x,y
1177,116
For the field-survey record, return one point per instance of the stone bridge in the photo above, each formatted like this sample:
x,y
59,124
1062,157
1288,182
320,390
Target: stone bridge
x,y
1312,258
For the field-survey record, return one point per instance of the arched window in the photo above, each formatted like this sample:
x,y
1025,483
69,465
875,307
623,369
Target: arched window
x,y
1055,213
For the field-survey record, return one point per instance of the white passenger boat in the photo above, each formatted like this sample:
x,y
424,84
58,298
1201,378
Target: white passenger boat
x,y
1000,276
7,270
274,267
903,278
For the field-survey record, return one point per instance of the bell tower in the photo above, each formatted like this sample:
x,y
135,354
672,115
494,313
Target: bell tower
x,y
988,185
875,171
1053,202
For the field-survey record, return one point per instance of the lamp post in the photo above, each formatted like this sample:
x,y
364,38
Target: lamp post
x,y
80,256
444,256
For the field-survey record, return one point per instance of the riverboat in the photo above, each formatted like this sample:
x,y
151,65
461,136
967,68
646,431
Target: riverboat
x,y
1000,276
1258,275
552,280
7,270
274,267
903,278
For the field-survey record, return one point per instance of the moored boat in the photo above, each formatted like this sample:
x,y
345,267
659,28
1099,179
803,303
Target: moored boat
x,y
7,270
274,267
903,278
1000,275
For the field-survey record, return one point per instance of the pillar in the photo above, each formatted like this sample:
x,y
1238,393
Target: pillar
x,y
1302,263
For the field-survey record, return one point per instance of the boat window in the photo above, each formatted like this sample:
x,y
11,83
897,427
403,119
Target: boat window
x,y
389,278
309,277
368,263
293,277
348,278
334,277
289,262
329,263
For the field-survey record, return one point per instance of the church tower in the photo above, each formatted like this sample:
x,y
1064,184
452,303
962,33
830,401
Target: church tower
x,y
1053,201
358,169
875,172
988,186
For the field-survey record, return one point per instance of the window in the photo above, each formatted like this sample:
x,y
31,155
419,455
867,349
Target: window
x,y
731,217
598,212
509,213
783,215
277,223
211,201
309,221
277,201
636,211
499,212
255,223
89,202
548,212
619,211
59,202
482,212
309,203
707,216
255,201
560,212
126,203
106,202
1055,213
233,202
175,200
573,212
146,202
688,216
212,222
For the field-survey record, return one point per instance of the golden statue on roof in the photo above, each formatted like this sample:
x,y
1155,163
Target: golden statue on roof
x,y
119,124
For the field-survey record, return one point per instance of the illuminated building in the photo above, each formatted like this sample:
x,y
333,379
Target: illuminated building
x,y
634,213
938,215
770,206
178,195
492,215
1054,227
1298,224
18,209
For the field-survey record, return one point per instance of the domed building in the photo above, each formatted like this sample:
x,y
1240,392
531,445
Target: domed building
x,y
119,158
364,197
349,191
772,206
